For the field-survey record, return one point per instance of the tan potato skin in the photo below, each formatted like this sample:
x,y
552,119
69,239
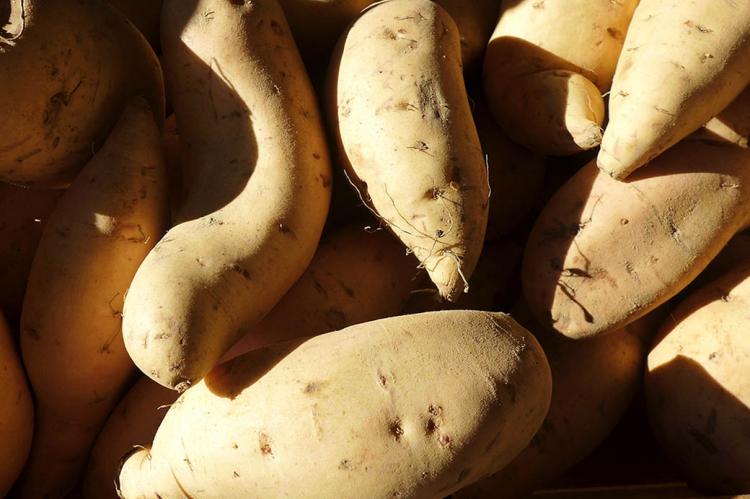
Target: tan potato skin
x,y
406,137
257,183
23,214
732,124
68,69
682,63
354,277
705,430
594,382
412,406
101,230
546,66
604,253
16,411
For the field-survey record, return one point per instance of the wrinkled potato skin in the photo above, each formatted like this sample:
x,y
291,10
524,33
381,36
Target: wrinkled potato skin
x,y
401,115
100,232
416,406
68,69
704,430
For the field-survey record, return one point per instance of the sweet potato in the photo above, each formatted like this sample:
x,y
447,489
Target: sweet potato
x,y
354,277
546,66
400,112
101,230
697,388
682,63
23,214
256,182
731,125
413,406
16,411
68,69
603,253
593,382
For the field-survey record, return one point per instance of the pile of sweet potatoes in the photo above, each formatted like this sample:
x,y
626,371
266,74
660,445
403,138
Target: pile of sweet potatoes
x,y
404,248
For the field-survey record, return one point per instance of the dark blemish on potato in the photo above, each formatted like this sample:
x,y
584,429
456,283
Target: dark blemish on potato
x,y
430,426
285,229
538,5
215,306
445,441
235,474
276,27
703,441
325,180
349,291
615,33
318,286
264,442
424,475
435,410
235,446
55,142
345,465
395,429
713,355
382,380
699,27
463,474
389,34
240,270
213,221
624,221
439,233
316,155
313,387
420,146
24,157
32,333
576,272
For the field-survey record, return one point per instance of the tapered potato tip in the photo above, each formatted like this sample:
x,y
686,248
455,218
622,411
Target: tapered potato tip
x,y
449,279
614,167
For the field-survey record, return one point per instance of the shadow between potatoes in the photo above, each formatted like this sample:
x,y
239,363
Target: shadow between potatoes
x,y
551,240
231,378
216,177
683,376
